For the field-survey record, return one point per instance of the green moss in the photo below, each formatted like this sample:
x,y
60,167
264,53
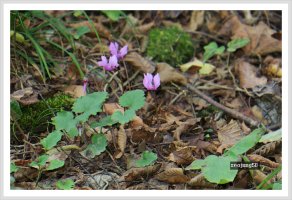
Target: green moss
x,y
170,45
35,117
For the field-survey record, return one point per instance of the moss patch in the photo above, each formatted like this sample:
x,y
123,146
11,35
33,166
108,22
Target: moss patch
x,y
35,117
170,45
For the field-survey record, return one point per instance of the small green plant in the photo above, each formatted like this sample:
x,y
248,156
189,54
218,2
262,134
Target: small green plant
x,y
67,184
170,45
148,158
213,49
216,169
114,15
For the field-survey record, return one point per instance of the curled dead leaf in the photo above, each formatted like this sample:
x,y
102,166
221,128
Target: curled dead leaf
x,y
182,156
197,65
172,175
170,74
122,141
272,67
145,133
140,173
248,75
183,126
140,63
197,19
200,181
262,160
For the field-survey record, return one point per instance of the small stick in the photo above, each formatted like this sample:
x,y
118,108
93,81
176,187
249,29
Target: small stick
x,y
232,112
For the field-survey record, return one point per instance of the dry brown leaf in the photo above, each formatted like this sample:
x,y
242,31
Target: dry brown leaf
x,y
200,181
272,67
100,28
228,135
110,108
122,141
75,91
259,177
258,113
172,175
140,173
139,62
268,149
183,126
262,160
196,21
25,174
261,40
170,74
146,134
248,75
182,156
168,23
24,93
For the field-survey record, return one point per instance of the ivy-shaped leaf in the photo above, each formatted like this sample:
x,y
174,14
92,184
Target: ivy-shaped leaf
x,y
237,44
212,49
217,169
99,143
123,118
134,99
55,164
148,158
91,103
40,161
196,164
113,15
13,167
81,31
67,184
272,136
52,139
64,121
106,121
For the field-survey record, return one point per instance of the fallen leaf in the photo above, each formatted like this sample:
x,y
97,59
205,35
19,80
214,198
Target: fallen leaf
x,y
261,36
183,126
146,134
24,93
204,68
272,67
262,160
259,177
75,91
228,135
140,63
200,181
172,175
110,108
170,74
182,156
122,141
197,19
248,75
258,114
140,173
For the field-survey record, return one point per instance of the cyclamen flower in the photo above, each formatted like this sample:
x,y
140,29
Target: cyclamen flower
x,y
109,65
114,49
85,82
150,82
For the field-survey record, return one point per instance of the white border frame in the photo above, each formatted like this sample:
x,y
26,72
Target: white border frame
x,y
133,6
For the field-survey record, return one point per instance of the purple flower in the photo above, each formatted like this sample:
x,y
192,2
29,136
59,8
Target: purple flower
x,y
85,82
114,49
150,82
109,65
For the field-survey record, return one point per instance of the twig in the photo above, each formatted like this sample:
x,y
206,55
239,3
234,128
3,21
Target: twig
x,y
232,112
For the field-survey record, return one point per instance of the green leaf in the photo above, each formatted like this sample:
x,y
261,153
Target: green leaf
x,y
98,146
67,184
90,104
246,143
77,13
64,121
113,15
277,186
197,164
148,158
55,164
13,167
217,169
80,31
73,132
18,37
52,139
272,136
123,118
106,121
134,99
212,49
15,110
237,44
40,161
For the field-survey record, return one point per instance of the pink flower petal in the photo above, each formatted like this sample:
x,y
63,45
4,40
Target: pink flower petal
x,y
156,81
114,48
123,51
